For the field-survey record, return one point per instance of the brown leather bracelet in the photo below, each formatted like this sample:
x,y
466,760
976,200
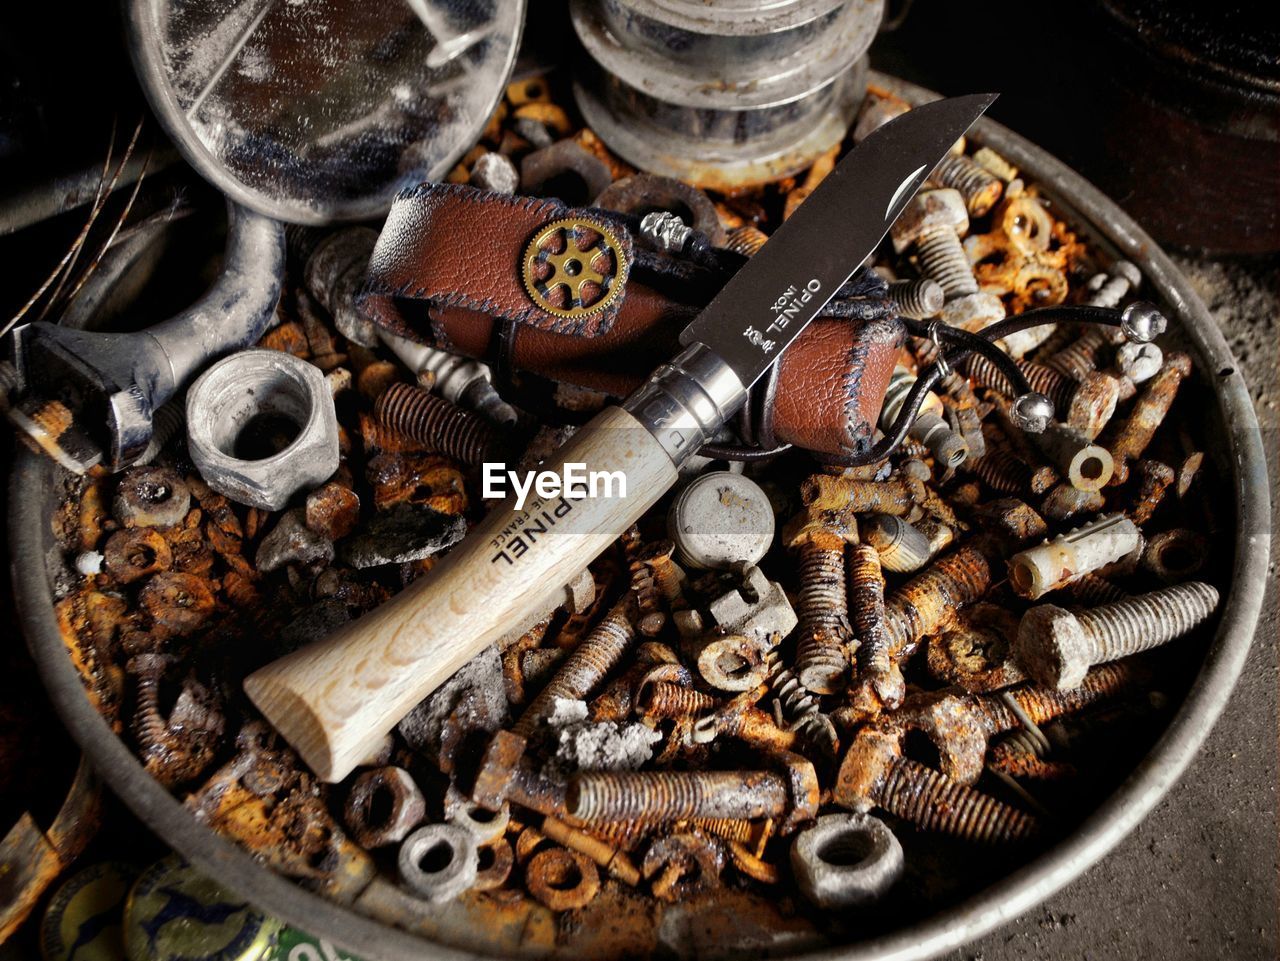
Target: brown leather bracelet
x,y
447,270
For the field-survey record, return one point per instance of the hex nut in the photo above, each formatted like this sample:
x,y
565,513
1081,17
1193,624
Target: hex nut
x,y
241,396
384,805
846,860
438,862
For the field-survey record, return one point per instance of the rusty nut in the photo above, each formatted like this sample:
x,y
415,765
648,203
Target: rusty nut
x,y
151,497
131,555
384,805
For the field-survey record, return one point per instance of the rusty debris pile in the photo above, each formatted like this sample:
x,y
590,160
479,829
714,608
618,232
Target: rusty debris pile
x,y
914,659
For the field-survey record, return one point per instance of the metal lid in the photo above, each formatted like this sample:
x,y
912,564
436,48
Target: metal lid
x,y
721,520
83,918
174,913
311,111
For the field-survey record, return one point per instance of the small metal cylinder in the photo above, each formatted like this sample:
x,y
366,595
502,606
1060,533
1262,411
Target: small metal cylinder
x,y
902,548
720,520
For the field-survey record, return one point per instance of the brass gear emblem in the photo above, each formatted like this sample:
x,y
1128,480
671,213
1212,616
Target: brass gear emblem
x,y
564,268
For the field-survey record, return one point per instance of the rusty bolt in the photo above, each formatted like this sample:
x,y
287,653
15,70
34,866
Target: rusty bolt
x,y
746,240
1057,647
789,798
438,425
384,805
506,773
663,699
977,185
876,668
1085,404
1148,413
933,223
929,601
960,726
583,670
659,796
917,299
874,773
822,630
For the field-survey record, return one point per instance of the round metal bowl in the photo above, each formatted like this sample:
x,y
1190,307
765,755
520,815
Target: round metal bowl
x,y
1239,460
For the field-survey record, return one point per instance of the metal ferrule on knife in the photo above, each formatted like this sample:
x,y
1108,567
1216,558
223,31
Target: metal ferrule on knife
x,y
686,400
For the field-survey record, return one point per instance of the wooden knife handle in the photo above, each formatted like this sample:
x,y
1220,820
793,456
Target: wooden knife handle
x,y
335,699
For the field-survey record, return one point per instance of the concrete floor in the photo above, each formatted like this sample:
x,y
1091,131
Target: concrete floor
x,y
1198,878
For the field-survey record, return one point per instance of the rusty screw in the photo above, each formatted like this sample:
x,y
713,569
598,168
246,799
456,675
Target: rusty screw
x,y
1057,647
917,299
874,773
1085,404
1148,413
978,186
583,670
823,627
438,425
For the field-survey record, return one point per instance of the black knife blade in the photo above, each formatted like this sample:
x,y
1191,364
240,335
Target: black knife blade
x,y
766,305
